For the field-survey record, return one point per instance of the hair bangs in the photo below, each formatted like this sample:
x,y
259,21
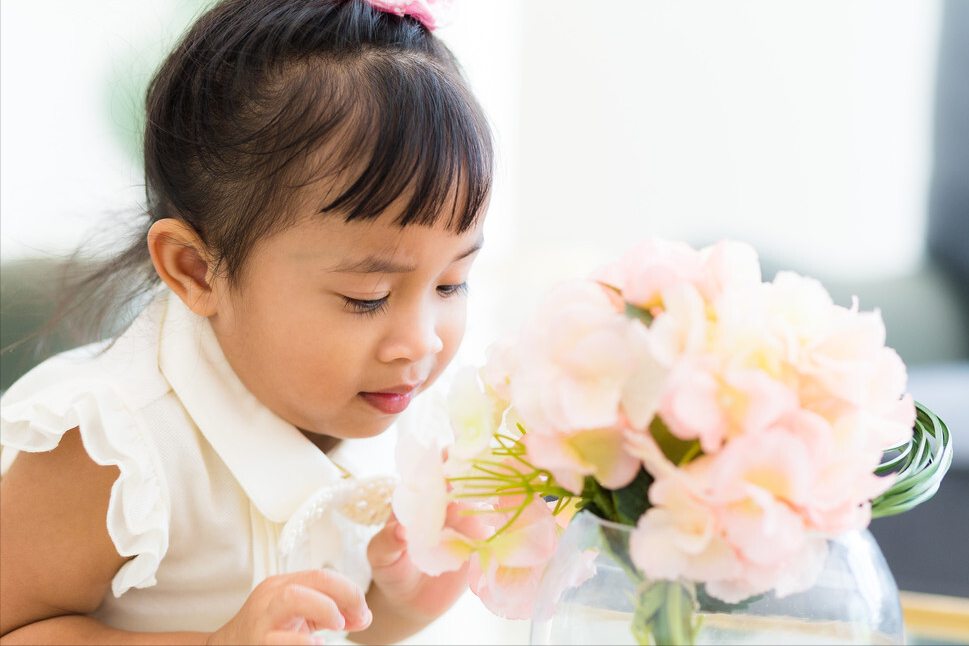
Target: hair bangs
x,y
428,146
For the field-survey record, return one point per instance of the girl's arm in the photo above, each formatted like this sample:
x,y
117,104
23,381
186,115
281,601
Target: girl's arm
x,y
57,562
403,599
56,557
77,629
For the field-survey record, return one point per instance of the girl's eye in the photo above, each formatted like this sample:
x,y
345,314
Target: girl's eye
x,y
358,306
452,290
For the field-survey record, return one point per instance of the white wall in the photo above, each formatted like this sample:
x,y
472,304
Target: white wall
x,y
802,127
64,69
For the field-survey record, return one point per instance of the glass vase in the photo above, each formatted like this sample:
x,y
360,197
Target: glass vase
x,y
589,591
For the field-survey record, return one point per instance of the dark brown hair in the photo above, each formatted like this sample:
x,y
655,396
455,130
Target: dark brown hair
x,y
263,97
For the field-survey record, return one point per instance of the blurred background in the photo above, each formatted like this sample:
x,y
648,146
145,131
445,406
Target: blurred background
x,y
830,134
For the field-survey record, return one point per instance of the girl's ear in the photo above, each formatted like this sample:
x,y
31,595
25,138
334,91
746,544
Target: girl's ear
x,y
181,259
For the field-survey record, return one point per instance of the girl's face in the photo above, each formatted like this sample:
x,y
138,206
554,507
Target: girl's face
x,y
336,326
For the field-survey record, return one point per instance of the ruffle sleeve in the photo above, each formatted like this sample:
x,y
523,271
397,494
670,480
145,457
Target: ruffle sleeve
x,y
112,434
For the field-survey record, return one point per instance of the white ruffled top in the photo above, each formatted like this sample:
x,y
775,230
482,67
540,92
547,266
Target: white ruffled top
x,y
215,491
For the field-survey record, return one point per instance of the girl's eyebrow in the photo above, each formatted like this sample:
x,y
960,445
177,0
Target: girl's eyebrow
x,y
379,265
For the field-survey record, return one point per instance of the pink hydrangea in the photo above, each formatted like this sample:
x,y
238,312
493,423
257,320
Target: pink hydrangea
x,y
647,269
581,363
775,403
703,402
737,520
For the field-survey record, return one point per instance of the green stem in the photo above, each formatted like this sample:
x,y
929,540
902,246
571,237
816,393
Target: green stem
x,y
664,611
691,453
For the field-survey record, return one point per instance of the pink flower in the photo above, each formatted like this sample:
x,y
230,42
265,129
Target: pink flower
x,y
846,481
649,268
501,365
420,499
682,328
569,572
760,410
700,402
799,310
475,415
511,592
508,592
531,537
840,350
775,462
680,537
845,359
889,412
762,528
421,503
431,13
797,574
505,572
643,446
737,521
570,457
577,357
731,266
842,363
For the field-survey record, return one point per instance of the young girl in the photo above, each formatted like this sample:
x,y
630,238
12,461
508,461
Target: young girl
x,y
317,173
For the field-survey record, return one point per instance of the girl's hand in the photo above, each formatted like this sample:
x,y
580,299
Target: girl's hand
x,y
289,608
412,591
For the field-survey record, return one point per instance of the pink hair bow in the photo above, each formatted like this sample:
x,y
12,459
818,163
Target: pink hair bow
x,y
431,13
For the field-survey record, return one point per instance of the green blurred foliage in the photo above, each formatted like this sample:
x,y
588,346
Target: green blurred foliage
x,y
133,68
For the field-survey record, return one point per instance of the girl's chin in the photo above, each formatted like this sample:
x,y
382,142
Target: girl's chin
x,y
362,430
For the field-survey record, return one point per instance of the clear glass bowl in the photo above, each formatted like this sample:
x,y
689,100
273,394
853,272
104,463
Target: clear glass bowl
x,y
855,599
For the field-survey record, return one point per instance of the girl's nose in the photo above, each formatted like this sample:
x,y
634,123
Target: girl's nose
x,y
413,337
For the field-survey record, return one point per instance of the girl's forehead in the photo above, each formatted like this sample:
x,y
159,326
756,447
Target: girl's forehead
x,y
379,245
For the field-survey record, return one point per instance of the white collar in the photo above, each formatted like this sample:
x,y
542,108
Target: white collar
x,y
276,465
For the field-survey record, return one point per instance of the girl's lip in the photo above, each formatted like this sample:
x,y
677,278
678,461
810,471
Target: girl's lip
x,y
402,389
389,402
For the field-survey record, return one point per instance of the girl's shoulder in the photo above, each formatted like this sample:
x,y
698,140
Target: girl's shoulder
x,y
102,387
103,390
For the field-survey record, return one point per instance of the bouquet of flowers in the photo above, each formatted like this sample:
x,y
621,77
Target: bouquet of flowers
x,y
737,424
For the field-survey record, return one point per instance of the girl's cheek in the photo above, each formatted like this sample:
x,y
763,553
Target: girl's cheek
x,y
456,327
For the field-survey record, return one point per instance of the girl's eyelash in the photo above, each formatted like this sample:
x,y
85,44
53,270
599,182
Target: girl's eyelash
x,y
369,308
453,290
374,307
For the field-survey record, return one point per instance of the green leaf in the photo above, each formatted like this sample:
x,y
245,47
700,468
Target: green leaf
x,y
639,313
919,465
678,451
596,500
709,604
632,501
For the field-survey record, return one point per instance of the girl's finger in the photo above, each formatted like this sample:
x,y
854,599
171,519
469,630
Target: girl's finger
x,y
283,638
387,546
343,592
295,604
